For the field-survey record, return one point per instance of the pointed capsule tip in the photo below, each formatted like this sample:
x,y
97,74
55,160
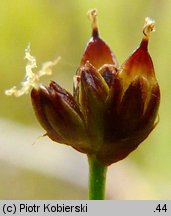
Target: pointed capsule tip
x,y
92,14
149,26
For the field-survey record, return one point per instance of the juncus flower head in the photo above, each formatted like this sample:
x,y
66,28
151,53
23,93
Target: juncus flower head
x,y
112,109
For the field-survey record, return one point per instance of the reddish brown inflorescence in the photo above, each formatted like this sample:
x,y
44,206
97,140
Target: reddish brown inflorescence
x,y
113,108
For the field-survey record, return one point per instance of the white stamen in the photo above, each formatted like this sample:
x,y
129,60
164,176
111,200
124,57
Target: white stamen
x,y
31,78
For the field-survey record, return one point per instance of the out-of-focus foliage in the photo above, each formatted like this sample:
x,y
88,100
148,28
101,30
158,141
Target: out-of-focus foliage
x,y
55,27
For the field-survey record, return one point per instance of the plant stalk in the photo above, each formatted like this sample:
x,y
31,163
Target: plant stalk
x,y
97,179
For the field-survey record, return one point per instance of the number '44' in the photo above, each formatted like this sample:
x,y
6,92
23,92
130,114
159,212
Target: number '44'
x,y
161,208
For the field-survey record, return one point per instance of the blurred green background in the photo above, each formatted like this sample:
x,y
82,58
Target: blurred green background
x,y
61,28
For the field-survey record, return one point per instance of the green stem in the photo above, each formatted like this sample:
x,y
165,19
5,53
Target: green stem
x,y
97,179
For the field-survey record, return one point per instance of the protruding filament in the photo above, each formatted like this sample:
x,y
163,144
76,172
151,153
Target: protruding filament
x,y
92,14
149,27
